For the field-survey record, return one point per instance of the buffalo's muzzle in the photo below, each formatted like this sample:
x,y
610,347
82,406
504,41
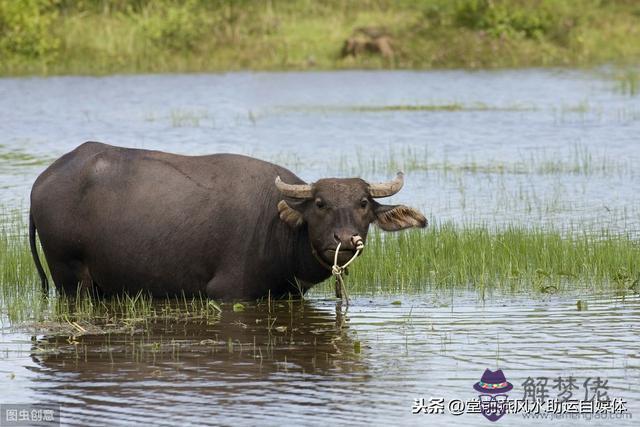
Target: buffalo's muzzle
x,y
357,242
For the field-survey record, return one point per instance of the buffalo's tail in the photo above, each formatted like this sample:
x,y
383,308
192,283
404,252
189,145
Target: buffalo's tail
x,y
34,254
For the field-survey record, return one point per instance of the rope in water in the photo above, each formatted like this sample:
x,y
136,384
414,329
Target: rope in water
x,y
337,270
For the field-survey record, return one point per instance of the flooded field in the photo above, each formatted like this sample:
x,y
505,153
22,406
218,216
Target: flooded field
x,y
550,151
308,363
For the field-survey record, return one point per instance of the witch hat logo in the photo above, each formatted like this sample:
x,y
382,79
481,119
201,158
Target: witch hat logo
x,y
493,387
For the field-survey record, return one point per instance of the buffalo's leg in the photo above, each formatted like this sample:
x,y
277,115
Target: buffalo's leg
x,y
84,279
72,277
225,286
215,288
64,277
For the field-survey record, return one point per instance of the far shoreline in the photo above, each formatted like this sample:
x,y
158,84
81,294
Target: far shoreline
x,y
156,37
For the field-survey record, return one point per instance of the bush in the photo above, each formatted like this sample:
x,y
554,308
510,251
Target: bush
x,y
25,29
507,19
175,26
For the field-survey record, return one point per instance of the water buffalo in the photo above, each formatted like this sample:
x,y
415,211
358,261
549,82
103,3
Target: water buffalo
x,y
115,219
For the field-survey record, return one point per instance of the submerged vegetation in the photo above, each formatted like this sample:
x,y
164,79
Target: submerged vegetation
x,y
442,256
580,160
99,36
452,107
628,81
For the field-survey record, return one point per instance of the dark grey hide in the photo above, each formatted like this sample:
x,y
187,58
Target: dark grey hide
x,y
115,220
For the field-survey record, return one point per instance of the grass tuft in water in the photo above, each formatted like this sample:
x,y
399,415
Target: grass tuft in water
x,y
579,161
514,258
450,107
629,81
483,258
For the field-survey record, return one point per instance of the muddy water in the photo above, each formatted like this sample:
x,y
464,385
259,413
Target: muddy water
x,y
310,363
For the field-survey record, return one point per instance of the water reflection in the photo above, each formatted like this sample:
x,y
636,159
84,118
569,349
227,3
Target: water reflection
x,y
294,336
180,368
299,364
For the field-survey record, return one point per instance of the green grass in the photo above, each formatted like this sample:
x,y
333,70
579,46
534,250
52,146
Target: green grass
x,y
21,298
452,107
484,258
187,118
83,314
628,81
441,257
20,158
128,36
579,161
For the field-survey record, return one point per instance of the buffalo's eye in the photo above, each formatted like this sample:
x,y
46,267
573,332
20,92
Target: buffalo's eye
x,y
364,203
320,204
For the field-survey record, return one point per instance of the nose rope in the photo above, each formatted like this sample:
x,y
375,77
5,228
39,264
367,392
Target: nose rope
x,y
337,270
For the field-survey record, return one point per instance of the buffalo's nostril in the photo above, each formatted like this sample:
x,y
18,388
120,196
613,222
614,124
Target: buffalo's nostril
x,y
336,237
357,241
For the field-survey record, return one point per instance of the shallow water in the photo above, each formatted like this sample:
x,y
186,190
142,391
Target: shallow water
x,y
534,147
246,367
539,147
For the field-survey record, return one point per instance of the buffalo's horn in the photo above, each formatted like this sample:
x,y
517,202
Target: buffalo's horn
x,y
297,191
386,189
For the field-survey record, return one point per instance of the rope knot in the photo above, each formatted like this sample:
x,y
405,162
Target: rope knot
x,y
337,270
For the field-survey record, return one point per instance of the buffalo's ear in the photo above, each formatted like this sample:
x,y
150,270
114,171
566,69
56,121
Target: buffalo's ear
x,y
398,217
289,215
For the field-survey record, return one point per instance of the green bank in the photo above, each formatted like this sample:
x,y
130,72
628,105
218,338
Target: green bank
x,y
134,36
